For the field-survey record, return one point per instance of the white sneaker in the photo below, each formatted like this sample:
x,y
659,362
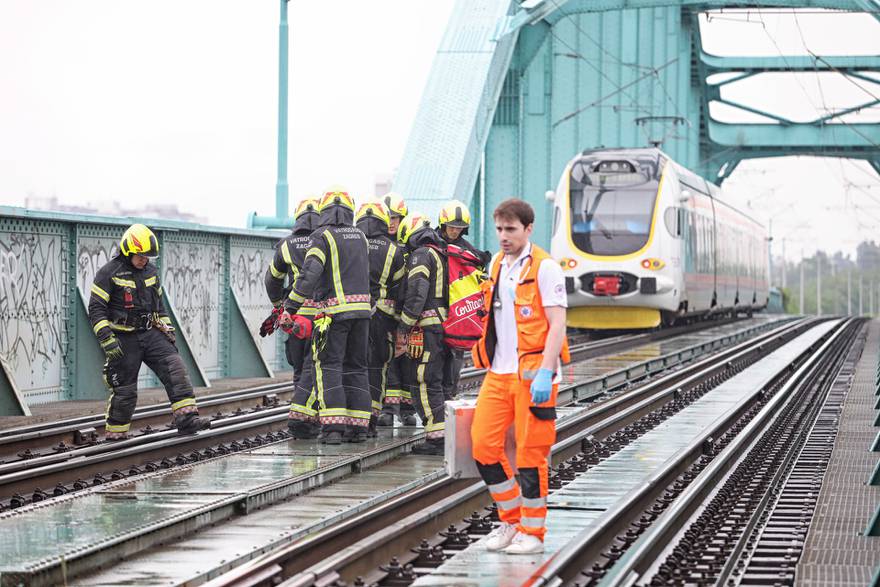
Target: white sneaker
x,y
500,537
525,544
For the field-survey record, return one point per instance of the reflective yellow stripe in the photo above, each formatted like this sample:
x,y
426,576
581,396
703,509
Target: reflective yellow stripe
x,y
150,281
359,414
376,405
334,412
101,324
407,320
316,252
306,311
100,293
423,392
117,427
396,393
123,282
438,281
295,297
275,273
319,376
337,278
121,328
398,275
285,252
111,340
160,291
165,320
303,410
383,279
190,401
419,270
350,307
430,321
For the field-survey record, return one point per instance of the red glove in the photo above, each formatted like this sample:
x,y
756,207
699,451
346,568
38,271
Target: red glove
x,y
302,327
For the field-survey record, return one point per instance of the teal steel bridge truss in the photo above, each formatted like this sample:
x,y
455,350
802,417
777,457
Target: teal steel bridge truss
x,y
213,283
518,88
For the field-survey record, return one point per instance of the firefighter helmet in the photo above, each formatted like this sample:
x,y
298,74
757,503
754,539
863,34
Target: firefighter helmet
x,y
395,204
307,205
455,214
336,197
139,240
413,224
375,209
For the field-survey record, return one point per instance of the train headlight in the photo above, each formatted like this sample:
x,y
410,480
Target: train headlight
x,y
653,264
568,263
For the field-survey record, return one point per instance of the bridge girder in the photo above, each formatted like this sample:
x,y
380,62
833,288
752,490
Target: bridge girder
x,y
518,88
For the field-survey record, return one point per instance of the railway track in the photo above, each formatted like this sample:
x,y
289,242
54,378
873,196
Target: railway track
x,y
412,535
34,475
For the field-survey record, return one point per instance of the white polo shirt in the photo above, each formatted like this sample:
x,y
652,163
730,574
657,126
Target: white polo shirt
x,y
551,284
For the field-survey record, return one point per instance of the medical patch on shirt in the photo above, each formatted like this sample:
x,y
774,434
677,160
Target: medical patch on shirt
x,y
559,289
525,311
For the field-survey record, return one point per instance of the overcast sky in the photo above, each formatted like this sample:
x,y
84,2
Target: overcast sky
x,y
172,101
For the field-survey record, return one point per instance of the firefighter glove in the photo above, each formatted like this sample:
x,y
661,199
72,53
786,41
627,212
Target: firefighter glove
x,y
111,347
542,386
416,343
285,321
271,322
302,327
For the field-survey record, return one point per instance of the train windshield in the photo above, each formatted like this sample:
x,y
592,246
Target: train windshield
x,y
612,204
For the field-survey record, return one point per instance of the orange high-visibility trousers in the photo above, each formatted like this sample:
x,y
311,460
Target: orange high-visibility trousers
x,y
505,399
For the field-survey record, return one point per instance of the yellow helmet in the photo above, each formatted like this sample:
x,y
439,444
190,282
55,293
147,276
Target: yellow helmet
x,y
413,224
395,204
336,197
373,208
455,214
308,204
139,240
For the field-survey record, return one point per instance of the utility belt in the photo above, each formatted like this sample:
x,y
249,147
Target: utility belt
x,y
135,322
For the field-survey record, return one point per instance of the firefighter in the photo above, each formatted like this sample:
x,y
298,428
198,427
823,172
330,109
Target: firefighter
x,y
128,317
522,347
420,331
335,274
386,272
287,263
397,399
452,225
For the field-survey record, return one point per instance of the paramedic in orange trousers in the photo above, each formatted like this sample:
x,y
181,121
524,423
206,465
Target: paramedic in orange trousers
x,y
523,347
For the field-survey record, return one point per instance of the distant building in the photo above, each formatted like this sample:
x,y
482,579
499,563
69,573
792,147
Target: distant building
x,y
382,183
113,208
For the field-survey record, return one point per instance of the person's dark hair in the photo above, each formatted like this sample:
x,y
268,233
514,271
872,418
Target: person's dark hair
x,y
515,209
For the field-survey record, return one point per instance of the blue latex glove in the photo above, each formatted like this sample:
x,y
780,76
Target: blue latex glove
x,y
542,386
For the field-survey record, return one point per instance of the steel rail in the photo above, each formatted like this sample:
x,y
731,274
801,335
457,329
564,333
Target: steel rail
x,y
567,564
24,475
318,559
14,440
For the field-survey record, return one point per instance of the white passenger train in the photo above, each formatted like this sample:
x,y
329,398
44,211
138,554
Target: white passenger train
x,y
643,241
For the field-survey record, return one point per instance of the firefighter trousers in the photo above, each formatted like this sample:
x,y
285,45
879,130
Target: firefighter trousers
x,y
397,396
506,400
303,416
296,350
452,373
341,381
424,380
381,350
121,375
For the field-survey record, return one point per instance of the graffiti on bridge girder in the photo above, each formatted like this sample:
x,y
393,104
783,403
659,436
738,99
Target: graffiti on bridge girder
x,y
30,308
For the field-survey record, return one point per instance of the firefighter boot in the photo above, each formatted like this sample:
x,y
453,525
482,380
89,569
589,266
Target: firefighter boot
x,y
433,447
355,434
333,437
372,432
190,423
408,419
385,419
301,430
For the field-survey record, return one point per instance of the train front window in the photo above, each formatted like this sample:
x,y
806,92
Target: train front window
x,y
612,204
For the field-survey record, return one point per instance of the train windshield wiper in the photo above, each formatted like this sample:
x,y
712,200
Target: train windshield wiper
x,y
591,214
